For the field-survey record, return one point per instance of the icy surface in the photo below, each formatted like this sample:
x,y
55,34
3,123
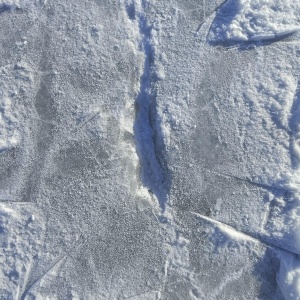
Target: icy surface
x,y
149,149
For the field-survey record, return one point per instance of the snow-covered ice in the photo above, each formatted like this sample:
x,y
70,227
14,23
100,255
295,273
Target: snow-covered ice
x,y
149,149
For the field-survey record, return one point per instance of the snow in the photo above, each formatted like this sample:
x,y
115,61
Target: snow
x,y
149,149
289,277
22,238
13,78
10,5
254,20
8,124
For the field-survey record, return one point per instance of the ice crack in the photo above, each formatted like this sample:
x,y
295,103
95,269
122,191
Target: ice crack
x,y
146,128
236,234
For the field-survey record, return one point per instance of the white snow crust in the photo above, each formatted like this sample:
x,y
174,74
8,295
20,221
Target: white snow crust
x,y
255,20
9,137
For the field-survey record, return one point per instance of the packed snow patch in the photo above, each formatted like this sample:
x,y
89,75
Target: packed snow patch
x,y
9,135
255,20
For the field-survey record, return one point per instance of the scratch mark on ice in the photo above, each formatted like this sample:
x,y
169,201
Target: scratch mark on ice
x,y
61,259
238,235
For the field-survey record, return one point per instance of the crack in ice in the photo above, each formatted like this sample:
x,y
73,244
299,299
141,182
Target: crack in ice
x,y
51,267
153,173
234,233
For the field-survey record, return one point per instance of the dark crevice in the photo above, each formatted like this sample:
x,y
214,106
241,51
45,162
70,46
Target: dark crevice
x,y
130,8
147,131
6,8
